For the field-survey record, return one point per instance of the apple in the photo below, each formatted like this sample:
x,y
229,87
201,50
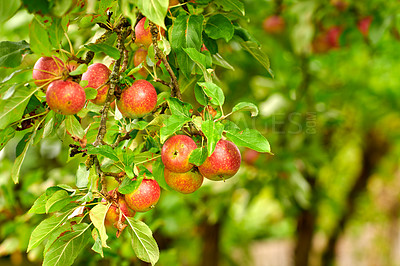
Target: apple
x,y
185,183
97,76
47,69
274,24
143,35
250,156
112,215
65,97
137,100
175,153
364,24
223,163
140,57
327,40
145,197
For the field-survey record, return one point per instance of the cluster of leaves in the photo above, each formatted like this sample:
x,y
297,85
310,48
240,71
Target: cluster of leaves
x,y
126,142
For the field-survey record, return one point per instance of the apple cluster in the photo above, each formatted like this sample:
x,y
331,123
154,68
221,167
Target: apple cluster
x,y
185,177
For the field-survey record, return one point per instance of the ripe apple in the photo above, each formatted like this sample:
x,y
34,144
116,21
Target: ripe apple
x,y
143,35
223,163
250,156
65,97
274,24
47,69
327,40
175,153
137,100
145,197
140,57
185,183
97,76
112,215
364,24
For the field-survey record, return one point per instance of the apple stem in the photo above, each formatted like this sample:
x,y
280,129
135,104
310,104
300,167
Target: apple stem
x,y
175,91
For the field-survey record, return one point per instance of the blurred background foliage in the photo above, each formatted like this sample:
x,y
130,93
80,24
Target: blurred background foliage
x,y
329,195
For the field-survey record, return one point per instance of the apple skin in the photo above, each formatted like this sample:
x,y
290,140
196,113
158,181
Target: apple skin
x,y
145,197
327,40
46,68
137,100
140,57
274,24
97,75
364,24
223,163
65,97
112,215
143,35
175,153
185,183
250,156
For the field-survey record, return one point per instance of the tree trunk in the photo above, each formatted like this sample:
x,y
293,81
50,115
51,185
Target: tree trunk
x,y
210,251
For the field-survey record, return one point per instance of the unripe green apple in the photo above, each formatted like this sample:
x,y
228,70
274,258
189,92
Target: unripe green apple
x,y
185,183
137,100
65,97
47,69
140,57
145,197
223,163
175,153
97,76
143,35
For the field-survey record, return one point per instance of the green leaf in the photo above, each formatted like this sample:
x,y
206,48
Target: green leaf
x,y
258,54
39,206
179,108
213,132
42,6
143,243
82,68
198,156
5,135
97,215
200,96
128,185
105,48
219,27
11,53
200,60
8,9
73,127
45,228
186,33
82,176
12,109
172,124
249,138
232,5
104,150
65,249
97,247
245,106
56,234
91,93
154,10
214,92
158,173
220,61
57,201
39,39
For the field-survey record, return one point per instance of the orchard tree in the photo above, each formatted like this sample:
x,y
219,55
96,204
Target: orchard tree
x,y
138,100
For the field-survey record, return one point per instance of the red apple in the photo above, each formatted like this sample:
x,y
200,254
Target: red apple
x,y
185,183
47,69
176,151
274,24
250,156
145,197
327,40
112,215
140,57
143,35
65,97
138,100
223,163
97,76
364,24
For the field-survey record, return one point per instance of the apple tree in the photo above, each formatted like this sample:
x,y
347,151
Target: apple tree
x,y
132,87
